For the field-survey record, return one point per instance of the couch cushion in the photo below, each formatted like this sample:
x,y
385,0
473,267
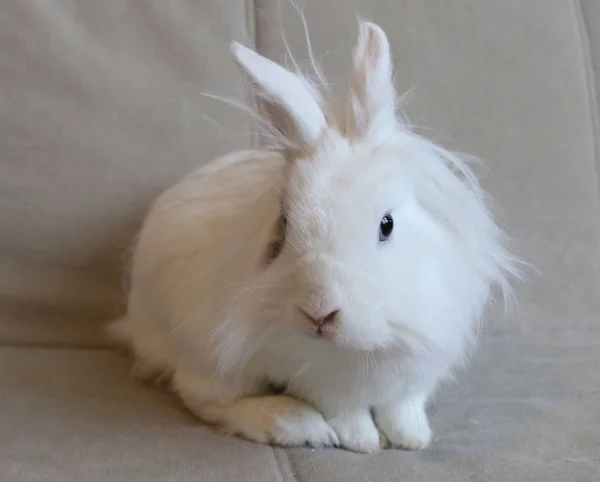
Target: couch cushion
x,y
100,110
526,410
75,415
589,26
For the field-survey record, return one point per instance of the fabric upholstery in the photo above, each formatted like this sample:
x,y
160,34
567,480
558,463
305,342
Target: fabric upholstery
x,y
527,411
101,109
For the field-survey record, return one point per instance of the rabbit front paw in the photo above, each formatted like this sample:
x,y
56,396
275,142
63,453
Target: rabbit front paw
x,y
405,425
356,431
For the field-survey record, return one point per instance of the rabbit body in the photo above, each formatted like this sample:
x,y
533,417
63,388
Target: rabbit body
x,y
351,267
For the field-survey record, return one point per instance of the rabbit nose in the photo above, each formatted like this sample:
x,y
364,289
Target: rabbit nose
x,y
323,320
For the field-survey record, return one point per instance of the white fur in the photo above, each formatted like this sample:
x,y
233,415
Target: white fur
x,y
204,309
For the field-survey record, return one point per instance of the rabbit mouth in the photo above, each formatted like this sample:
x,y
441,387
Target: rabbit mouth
x,y
324,332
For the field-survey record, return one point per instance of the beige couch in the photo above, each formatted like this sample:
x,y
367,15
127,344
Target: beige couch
x,y
100,110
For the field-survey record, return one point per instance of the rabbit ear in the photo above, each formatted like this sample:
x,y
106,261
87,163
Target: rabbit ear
x,y
371,108
289,102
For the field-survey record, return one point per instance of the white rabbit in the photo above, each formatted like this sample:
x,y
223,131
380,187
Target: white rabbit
x,y
351,266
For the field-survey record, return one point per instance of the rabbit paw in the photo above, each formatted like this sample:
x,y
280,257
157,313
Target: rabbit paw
x,y
356,431
276,420
268,419
404,425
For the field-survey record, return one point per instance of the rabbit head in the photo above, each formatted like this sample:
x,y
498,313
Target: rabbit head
x,y
384,240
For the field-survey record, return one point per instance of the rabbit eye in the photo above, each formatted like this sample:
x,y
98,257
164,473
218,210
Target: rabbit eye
x,y
386,226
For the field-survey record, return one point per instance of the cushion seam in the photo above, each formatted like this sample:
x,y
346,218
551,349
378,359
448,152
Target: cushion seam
x,y
60,346
588,66
290,464
277,465
112,346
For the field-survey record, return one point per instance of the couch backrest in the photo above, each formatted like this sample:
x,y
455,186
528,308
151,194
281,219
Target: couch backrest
x,y
100,110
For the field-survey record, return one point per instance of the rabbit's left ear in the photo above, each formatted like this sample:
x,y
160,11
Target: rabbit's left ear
x,y
371,108
290,103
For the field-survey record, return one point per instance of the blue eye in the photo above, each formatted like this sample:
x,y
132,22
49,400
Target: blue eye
x,y
386,226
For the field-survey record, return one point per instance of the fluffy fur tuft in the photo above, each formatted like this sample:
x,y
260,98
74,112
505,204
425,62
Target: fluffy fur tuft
x,y
273,267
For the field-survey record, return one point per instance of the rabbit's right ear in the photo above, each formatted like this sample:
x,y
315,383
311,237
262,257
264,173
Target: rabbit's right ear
x,y
371,106
290,103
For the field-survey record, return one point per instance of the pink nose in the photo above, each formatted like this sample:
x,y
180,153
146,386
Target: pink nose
x,y
325,319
